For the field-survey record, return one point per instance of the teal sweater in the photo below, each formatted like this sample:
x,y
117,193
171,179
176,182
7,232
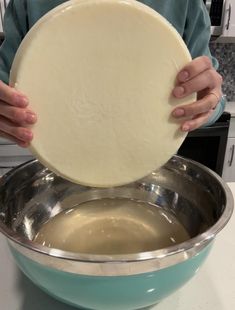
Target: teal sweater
x,y
189,17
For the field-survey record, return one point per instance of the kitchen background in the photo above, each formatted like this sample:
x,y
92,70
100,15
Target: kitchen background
x,y
213,146
225,53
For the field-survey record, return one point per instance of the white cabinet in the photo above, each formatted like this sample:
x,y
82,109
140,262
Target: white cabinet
x,y
229,161
229,21
228,27
225,32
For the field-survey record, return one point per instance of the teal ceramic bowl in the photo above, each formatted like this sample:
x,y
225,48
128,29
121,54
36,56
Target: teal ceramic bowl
x,y
30,195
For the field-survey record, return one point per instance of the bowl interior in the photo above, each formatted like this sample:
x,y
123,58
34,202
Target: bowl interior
x,y
31,195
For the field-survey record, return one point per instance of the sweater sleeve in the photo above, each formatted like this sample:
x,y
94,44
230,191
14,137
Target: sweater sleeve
x,y
197,36
15,28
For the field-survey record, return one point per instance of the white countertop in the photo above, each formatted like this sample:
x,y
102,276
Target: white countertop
x,y
213,288
230,107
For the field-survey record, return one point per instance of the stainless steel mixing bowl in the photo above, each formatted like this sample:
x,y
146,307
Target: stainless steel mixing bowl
x,y
30,195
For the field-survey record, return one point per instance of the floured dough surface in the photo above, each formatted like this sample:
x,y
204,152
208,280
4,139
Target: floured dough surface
x,y
99,74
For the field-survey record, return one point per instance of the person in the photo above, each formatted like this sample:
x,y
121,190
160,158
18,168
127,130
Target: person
x,y
189,17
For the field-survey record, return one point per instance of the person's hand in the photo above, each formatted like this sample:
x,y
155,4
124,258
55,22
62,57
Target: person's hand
x,y
15,116
198,76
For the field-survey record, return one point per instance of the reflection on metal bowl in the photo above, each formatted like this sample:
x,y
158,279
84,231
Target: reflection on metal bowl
x,y
30,195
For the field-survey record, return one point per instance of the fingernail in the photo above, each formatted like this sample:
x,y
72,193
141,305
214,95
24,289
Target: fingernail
x,y
31,117
27,135
21,101
178,113
179,91
186,128
183,76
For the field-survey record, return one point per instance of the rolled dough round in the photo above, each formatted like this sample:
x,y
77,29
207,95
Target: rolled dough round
x,y
99,74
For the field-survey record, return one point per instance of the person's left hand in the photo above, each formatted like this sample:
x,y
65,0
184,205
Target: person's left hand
x,y
198,76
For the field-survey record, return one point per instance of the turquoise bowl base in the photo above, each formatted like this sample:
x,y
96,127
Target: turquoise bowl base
x,y
111,292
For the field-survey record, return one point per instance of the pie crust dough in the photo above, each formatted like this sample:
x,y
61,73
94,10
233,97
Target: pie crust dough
x,y
99,74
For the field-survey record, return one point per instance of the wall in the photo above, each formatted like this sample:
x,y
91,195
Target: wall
x,y
225,53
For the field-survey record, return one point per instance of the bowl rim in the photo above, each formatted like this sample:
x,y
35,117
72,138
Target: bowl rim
x,y
191,246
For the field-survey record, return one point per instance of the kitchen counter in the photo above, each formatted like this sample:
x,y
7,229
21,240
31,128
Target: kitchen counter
x,y
212,288
230,107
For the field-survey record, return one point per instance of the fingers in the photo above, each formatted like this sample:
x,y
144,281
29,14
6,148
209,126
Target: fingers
x,y
15,140
213,93
197,122
204,105
209,79
17,115
197,76
17,132
195,67
14,116
12,97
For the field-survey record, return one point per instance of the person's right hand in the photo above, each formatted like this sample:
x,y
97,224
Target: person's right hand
x,y
15,116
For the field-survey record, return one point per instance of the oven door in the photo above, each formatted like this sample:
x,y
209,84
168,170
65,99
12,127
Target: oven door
x,y
208,145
